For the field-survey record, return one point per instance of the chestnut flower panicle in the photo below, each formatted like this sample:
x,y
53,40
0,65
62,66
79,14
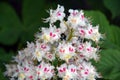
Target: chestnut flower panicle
x,y
59,52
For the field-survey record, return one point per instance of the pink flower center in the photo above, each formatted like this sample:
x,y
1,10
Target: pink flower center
x,y
82,32
26,69
81,47
81,55
71,49
61,70
57,30
38,72
82,16
39,66
64,69
46,70
52,35
86,72
81,68
17,70
58,13
74,13
89,49
90,31
50,56
62,50
72,70
43,46
31,77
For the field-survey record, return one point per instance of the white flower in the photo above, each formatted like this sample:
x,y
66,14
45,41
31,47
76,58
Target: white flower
x,y
62,70
26,71
38,54
80,47
57,14
67,72
50,56
96,35
72,72
66,51
87,71
73,12
92,33
76,18
87,51
30,48
82,32
50,34
11,69
39,51
45,71
20,57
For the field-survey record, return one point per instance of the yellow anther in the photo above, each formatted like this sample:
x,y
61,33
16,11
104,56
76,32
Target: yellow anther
x,y
38,53
21,75
46,37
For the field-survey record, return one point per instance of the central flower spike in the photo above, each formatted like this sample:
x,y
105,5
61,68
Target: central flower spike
x,y
61,51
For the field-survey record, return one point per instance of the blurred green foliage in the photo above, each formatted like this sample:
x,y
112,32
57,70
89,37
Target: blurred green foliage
x,y
16,30
113,6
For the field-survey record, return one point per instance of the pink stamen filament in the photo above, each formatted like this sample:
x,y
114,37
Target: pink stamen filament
x,y
89,49
39,66
46,70
82,16
82,32
31,77
50,56
64,69
74,13
90,32
43,46
72,70
26,69
70,49
62,50
52,35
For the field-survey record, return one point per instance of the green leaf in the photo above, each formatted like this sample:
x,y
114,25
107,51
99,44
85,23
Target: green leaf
x,y
116,34
109,64
10,26
5,56
32,12
113,6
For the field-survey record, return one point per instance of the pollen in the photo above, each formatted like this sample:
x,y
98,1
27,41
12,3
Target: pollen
x,y
74,20
46,37
38,54
67,56
21,75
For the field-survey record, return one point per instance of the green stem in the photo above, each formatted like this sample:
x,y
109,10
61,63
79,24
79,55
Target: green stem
x,y
71,35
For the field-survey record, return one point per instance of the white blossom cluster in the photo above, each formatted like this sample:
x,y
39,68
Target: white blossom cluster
x,y
60,51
